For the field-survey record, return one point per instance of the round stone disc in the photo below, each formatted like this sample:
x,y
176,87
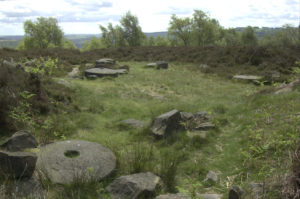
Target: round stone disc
x,y
67,161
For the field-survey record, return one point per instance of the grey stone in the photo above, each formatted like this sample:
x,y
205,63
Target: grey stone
x,y
166,124
257,190
288,87
104,72
134,186
105,63
162,65
134,123
151,65
211,176
236,192
173,196
247,77
74,73
89,65
185,116
19,141
17,165
205,126
202,116
64,162
210,196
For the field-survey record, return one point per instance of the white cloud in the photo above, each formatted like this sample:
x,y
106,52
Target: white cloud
x,y
84,16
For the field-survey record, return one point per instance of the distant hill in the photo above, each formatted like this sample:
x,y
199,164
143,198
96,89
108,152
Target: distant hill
x,y
78,39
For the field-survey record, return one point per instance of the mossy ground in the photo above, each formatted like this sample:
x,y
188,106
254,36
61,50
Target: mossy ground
x,y
255,132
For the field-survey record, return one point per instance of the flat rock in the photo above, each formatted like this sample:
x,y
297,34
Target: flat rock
x,y
140,185
19,141
185,116
105,63
17,165
247,77
63,162
202,116
162,65
210,196
205,126
104,72
74,73
288,87
166,124
134,123
151,65
173,196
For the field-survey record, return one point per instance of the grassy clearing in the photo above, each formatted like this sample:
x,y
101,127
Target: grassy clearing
x,y
255,134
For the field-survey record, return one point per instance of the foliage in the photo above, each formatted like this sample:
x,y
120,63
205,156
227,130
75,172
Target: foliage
x,y
43,33
112,37
43,66
67,44
92,44
132,32
181,28
248,37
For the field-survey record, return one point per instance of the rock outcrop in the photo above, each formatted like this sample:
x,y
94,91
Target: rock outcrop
x,y
19,141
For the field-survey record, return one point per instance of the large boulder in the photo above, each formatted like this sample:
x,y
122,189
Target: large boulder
x,y
66,161
19,141
173,196
167,123
105,63
17,165
140,185
104,72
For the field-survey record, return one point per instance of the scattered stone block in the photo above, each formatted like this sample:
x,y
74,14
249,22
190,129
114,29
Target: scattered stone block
x,y
140,185
104,72
105,63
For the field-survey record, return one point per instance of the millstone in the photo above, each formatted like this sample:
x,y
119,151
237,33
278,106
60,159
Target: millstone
x,y
67,161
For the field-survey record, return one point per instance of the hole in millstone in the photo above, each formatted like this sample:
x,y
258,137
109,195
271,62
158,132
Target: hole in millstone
x,y
72,154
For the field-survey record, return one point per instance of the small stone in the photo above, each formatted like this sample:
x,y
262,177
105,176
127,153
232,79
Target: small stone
x,y
211,176
140,185
205,126
17,165
236,192
19,141
173,196
151,65
134,123
210,196
185,116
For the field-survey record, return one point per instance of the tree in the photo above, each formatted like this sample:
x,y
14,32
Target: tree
x,y
248,36
132,32
205,30
161,41
180,28
43,33
67,44
93,44
112,37
229,37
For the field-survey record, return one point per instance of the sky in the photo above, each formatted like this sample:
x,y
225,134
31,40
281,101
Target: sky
x,y
85,16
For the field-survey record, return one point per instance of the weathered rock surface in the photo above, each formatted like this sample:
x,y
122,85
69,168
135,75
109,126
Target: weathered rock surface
x,y
17,165
134,186
105,63
236,192
166,124
185,116
63,162
257,190
134,123
205,126
104,72
75,73
210,196
173,196
19,141
162,65
288,87
202,116
212,177
9,64
247,77
158,65
30,188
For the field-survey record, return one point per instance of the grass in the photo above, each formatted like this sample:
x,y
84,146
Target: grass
x,y
254,136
